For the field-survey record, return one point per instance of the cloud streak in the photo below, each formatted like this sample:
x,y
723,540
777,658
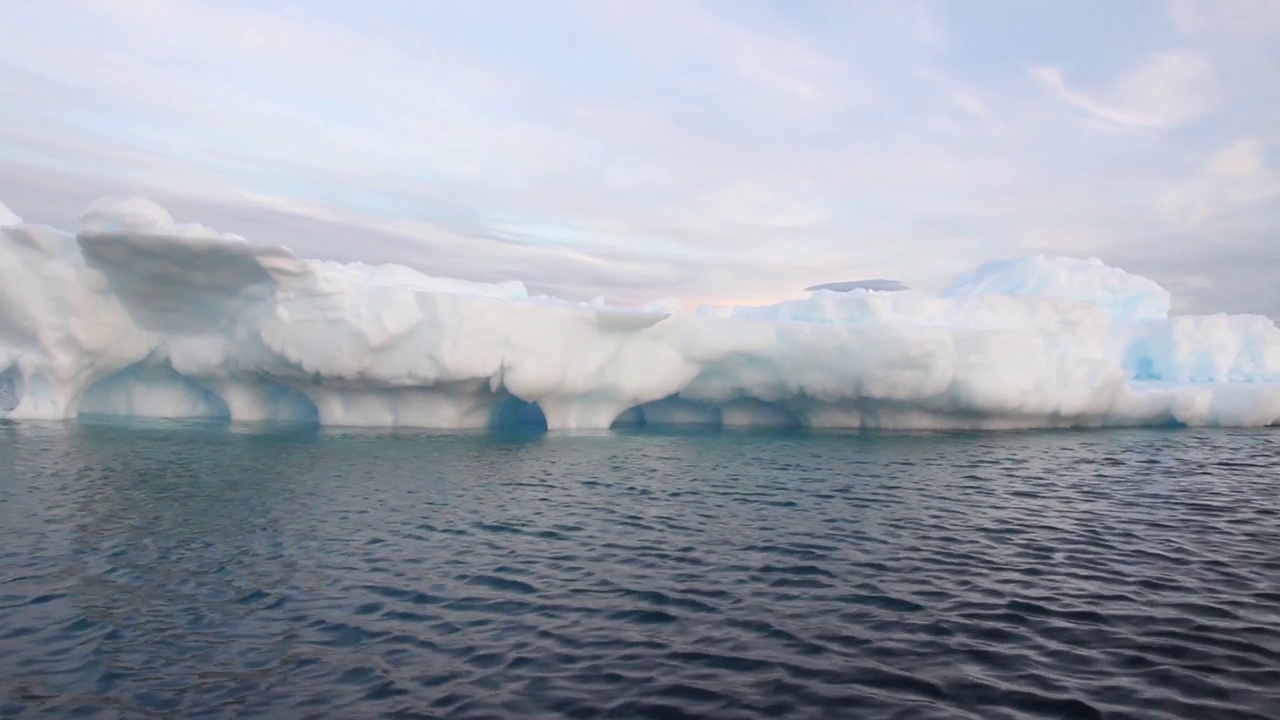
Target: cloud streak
x,y
1166,90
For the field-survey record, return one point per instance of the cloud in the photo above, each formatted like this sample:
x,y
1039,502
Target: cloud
x,y
1237,17
1236,177
1166,90
929,28
964,98
691,39
721,151
8,217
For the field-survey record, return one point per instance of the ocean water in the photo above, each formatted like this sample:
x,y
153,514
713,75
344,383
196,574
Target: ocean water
x,y
199,572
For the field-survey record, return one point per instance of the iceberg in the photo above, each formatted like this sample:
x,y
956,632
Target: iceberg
x,y
875,284
137,315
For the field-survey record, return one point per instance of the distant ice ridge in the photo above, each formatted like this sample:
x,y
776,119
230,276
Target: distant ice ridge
x,y
138,315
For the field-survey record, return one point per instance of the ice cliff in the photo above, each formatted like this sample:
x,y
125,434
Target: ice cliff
x,y
138,315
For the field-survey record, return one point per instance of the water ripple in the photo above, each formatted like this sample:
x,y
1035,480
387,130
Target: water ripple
x,y
198,574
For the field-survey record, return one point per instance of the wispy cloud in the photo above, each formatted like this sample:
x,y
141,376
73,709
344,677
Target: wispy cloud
x,y
1165,90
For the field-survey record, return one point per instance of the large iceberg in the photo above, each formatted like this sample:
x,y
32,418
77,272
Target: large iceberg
x,y
138,315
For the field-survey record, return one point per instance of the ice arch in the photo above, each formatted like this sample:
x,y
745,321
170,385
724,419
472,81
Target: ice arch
x,y
10,390
512,413
152,392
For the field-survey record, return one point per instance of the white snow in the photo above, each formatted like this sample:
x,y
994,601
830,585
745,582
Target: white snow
x,y
138,315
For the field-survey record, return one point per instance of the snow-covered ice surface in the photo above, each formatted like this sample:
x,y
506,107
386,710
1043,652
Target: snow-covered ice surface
x,y
138,315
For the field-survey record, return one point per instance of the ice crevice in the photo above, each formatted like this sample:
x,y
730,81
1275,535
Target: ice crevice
x,y
137,315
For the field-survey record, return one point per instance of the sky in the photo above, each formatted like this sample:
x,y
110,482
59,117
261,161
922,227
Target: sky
x,y
726,151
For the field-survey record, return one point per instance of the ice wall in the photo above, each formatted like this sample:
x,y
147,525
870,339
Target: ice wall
x,y
136,314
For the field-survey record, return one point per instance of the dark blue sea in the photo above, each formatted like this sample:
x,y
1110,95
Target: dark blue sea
x,y
185,571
